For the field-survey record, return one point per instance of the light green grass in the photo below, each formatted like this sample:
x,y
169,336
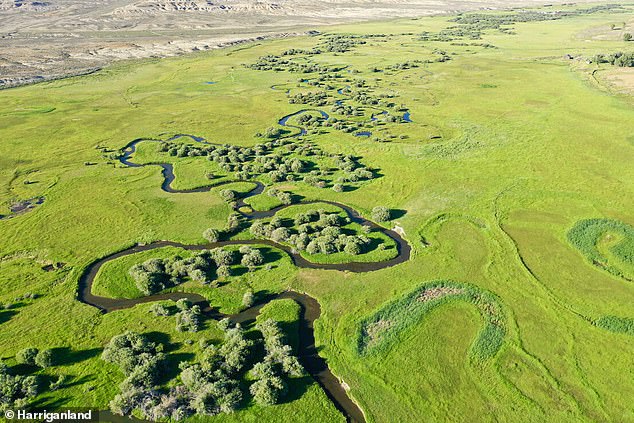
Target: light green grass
x,y
263,202
286,312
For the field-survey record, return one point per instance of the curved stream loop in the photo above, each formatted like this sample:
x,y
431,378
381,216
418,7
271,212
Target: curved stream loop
x,y
315,365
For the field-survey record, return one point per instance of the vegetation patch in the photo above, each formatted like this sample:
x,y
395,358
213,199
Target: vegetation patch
x,y
211,385
325,235
616,324
384,327
473,25
276,160
607,244
150,272
624,60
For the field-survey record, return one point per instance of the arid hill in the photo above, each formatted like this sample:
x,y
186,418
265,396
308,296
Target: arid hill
x,y
47,39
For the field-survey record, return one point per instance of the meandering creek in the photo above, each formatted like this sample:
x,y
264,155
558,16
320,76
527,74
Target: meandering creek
x,y
315,365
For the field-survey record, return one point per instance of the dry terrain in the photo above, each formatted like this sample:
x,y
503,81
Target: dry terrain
x,y
53,38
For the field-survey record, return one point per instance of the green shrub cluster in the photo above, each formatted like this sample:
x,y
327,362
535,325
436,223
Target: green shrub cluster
x,y
212,385
616,324
315,231
587,233
616,59
16,390
280,64
269,386
157,274
279,160
472,25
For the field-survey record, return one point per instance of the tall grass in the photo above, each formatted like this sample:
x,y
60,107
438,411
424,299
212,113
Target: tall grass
x,y
383,328
586,235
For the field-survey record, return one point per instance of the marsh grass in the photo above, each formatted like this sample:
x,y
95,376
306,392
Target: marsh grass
x,y
387,325
595,239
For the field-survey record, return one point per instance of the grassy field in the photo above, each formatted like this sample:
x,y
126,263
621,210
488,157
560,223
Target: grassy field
x,y
508,149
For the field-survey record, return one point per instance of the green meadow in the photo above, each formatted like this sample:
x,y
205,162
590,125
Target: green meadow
x,y
513,184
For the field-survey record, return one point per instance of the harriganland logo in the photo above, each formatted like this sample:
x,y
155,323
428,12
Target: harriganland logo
x,y
49,417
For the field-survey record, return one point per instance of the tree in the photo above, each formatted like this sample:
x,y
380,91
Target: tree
x,y
280,234
15,391
44,359
228,195
211,235
352,248
381,214
627,37
337,188
159,309
223,271
248,299
188,320
27,356
252,259
267,391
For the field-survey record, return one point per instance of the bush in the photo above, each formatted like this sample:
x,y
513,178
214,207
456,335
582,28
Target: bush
x,y
267,391
352,248
252,259
151,276
381,214
27,356
15,391
159,310
223,257
130,351
44,359
280,235
228,195
223,271
248,299
188,320
140,360
627,37
183,304
211,235
59,383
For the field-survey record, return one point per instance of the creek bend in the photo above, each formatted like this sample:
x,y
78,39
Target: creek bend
x,y
315,365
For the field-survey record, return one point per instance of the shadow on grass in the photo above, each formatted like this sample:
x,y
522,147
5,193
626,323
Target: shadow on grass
x,y
65,356
297,387
270,255
397,213
75,381
296,198
162,338
6,315
49,403
171,369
